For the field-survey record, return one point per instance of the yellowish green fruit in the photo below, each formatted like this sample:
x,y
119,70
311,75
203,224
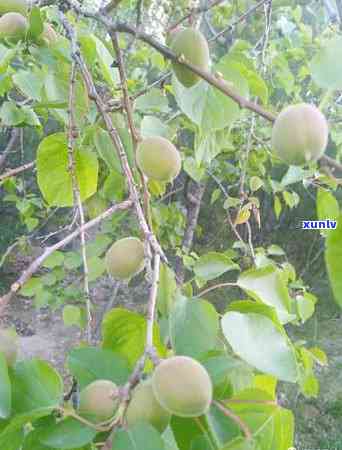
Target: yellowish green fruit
x,y
300,134
8,346
194,47
182,386
125,258
158,159
144,407
13,26
99,400
49,35
95,206
18,6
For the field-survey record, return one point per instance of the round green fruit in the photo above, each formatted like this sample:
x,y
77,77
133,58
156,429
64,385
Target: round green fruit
x,y
125,258
8,346
145,407
182,386
13,26
17,6
99,400
300,134
194,47
158,159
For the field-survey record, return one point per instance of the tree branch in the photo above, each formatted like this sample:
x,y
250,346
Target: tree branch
x,y
72,133
16,171
113,134
11,143
35,265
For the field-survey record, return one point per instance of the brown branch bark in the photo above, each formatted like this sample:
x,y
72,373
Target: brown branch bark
x,y
194,199
35,265
16,171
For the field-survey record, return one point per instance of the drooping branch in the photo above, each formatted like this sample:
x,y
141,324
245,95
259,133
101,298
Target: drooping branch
x,y
36,264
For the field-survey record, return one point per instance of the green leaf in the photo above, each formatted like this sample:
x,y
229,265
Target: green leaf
x,y
18,421
106,150
152,126
11,115
29,83
258,341
305,306
166,289
154,100
185,430
54,179
194,170
72,315
333,258
54,260
12,441
194,327
35,385
212,265
326,66
208,107
5,389
133,437
67,434
105,60
267,285
124,332
90,364
36,25
97,267
327,205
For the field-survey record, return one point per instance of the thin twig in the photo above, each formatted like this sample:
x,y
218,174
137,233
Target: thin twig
x,y
194,11
16,171
152,304
72,133
217,286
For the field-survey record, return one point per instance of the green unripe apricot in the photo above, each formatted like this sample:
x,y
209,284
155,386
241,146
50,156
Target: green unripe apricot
x,y
158,158
13,26
125,258
99,400
182,386
300,134
145,407
194,47
17,6
8,346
